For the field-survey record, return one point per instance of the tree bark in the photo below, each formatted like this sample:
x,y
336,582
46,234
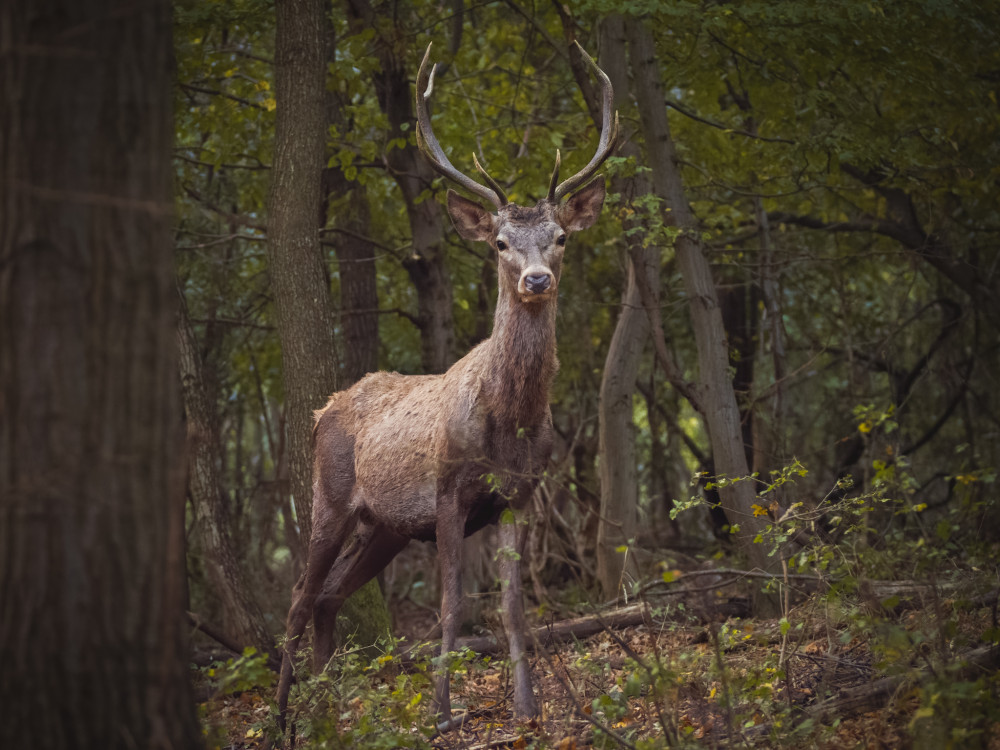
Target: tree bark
x,y
738,302
358,292
92,635
721,411
618,470
243,619
298,279
355,254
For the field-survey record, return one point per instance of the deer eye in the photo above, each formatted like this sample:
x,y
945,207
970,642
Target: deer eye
x,y
501,245
561,240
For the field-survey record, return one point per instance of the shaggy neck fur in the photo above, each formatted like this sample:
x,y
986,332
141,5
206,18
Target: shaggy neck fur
x,y
522,359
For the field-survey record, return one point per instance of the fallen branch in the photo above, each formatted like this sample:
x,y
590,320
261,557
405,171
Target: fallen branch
x,y
575,628
882,590
580,628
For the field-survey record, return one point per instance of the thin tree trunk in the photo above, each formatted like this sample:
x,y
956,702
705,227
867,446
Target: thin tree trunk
x,y
659,467
358,292
426,263
619,501
92,635
616,527
243,619
355,254
767,415
721,411
618,474
298,278
768,450
738,303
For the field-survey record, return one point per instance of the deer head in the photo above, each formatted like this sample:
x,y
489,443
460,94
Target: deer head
x,y
529,241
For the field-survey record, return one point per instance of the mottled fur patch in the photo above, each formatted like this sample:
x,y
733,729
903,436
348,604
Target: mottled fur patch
x,y
528,215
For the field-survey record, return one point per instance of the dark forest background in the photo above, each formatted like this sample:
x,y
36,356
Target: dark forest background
x,y
778,345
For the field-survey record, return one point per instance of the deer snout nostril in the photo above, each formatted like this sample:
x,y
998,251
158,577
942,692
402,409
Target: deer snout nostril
x,y
538,283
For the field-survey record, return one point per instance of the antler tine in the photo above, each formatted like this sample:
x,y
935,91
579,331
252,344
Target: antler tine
x,y
428,143
608,140
489,180
555,178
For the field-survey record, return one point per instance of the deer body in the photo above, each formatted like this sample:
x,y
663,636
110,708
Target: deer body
x,y
438,457
413,437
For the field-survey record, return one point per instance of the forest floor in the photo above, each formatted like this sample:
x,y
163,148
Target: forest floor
x,y
656,676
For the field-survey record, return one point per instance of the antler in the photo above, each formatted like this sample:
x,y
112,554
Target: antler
x,y
428,143
609,137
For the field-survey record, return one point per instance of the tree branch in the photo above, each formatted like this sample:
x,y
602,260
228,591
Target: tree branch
x,y
215,634
223,94
720,126
238,219
663,356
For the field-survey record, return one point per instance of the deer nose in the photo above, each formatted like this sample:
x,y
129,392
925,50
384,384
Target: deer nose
x,y
537,283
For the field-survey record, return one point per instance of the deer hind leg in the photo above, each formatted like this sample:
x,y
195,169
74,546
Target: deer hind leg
x,y
512,537
450,532
329,533
367,554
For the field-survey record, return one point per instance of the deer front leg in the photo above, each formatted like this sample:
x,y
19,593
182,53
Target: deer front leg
x,y
450,532
512,536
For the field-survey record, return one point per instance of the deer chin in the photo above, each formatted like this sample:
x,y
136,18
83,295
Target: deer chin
x,y
537,298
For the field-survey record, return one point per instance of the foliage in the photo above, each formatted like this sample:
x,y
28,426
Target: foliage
x,y
849,554
362,703
247,671
955,712
866,134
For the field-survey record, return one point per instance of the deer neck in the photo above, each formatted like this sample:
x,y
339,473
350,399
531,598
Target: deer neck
x,y
522,360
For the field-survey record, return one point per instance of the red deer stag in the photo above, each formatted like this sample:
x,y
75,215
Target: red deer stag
x,y
438,457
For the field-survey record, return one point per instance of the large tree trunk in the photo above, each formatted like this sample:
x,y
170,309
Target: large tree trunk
x,y
721,411
243,619
91,486
298,279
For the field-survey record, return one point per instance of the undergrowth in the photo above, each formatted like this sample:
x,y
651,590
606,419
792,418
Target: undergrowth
x,y
879,591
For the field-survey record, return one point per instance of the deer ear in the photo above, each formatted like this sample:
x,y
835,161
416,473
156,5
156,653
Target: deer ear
x,y
583,208
472,221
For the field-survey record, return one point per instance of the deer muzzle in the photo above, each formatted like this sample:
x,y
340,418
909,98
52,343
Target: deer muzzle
x,y
538,283
535,285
